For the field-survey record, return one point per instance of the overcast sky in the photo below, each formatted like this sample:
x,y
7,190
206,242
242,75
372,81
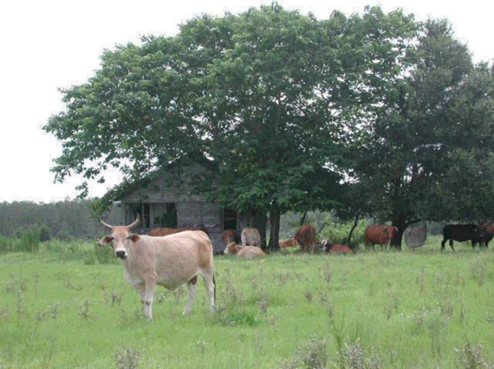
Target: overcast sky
x,y
51,44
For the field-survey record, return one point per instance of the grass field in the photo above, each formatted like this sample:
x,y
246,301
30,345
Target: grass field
x,y
60,308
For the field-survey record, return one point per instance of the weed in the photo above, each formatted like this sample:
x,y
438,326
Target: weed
x,y
313,355
202,346
421,279
419,317
127,358
51,312
327,273
388,310
15,284
83,311
446,308
282,278
470,357
263,303
4,314
20,302
308,295
435,327
339,331
355,358
36,284
238,316
478,270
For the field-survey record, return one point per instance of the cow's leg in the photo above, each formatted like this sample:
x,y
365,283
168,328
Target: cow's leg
x,y
147,296
443,243
210,285
451,244
192,286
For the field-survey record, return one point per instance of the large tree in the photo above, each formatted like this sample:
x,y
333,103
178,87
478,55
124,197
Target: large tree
x,y
267,101
427,152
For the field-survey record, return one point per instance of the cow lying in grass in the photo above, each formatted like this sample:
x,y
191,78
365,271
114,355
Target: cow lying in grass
x,y
335,248
248,252
169,261
291,242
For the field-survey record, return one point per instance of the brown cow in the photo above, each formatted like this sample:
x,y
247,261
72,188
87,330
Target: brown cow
x,y
487,232
380,234
306,238
230,235
251,237
335,248
247,252
291,242
164,231
165,261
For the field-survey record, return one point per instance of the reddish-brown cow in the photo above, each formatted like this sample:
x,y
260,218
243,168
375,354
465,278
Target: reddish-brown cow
x,y
306,238
380,234
487,232
230,235
336,248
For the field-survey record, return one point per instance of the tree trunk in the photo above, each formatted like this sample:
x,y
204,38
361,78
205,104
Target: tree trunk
x,y
260,219
355,224
401,223
274,218
302,221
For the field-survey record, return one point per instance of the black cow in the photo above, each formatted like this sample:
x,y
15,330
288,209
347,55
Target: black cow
x,y
462,233
487,229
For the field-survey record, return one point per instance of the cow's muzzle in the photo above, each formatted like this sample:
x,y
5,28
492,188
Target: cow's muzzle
x,y
121,254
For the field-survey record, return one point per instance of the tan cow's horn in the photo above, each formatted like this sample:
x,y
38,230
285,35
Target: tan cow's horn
x,y
106,225
136,222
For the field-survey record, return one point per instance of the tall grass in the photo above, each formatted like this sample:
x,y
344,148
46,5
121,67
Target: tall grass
x,y
27,242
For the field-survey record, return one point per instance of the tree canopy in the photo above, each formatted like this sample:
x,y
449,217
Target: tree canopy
x,y
287,112
427,154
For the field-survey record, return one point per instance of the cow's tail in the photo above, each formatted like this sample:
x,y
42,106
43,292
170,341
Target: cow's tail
x,y
214,290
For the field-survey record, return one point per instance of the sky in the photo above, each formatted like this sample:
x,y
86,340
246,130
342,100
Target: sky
x,y
51,44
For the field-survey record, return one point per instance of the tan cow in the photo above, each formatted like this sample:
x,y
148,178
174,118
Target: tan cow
x,y
380,234
169,261
291,242
165,231
251,237
247,252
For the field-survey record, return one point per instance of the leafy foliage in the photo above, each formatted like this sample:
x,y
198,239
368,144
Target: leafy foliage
x,y
373,113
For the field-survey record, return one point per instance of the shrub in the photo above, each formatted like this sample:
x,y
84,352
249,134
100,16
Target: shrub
x,y
5,244
44,233
337,232
103,255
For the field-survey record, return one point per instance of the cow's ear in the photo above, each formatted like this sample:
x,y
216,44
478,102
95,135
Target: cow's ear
x,y
105,240
134,237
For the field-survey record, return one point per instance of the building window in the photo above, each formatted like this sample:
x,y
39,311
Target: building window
x,y
164,215
153,215
229,219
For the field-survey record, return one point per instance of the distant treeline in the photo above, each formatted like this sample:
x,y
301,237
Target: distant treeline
x,y
64,219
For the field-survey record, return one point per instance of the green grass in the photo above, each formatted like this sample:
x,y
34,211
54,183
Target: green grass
x,y
66,307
